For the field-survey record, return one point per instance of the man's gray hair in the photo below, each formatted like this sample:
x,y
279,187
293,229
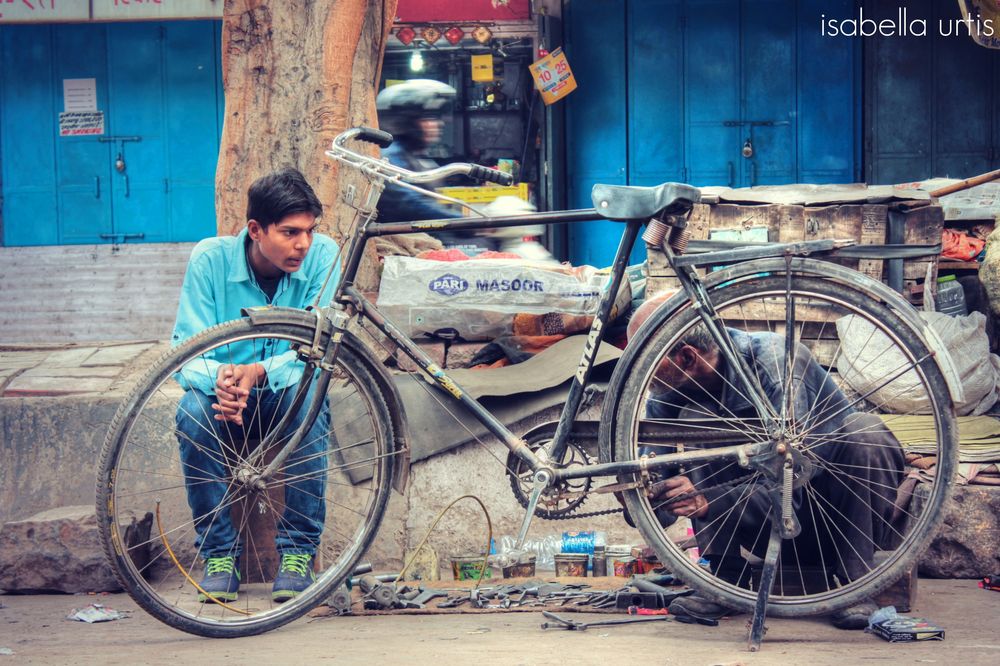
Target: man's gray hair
x,y
699,338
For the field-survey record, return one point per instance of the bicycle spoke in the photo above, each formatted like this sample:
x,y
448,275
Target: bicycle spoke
x,y
792,331
344,467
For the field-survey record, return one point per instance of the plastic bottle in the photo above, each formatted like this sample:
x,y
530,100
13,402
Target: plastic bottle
x,y
950,297
544,549
600,564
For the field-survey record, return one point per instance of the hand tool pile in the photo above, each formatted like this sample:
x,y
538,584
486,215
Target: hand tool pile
x,y
641,593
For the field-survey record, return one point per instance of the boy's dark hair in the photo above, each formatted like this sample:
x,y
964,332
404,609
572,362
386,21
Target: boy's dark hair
x,y
273,197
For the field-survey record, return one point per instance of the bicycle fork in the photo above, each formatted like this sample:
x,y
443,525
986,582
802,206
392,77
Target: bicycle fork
x,y
316,356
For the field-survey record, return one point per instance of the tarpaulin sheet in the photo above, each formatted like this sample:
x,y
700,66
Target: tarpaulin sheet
x,y
512,393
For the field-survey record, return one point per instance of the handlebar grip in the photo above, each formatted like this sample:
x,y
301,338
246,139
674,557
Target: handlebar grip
x,y
372,135
492,175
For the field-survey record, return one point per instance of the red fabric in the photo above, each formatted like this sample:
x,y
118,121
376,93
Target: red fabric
x,y
443,255
959,246
492,254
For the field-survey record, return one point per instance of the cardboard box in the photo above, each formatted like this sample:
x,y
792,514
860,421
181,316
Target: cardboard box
x,y
904,629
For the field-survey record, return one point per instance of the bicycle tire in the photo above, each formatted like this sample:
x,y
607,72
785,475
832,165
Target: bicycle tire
x,y
737,591
140,473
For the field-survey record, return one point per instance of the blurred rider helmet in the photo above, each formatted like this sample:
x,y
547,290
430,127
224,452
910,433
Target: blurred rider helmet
x,y
401,107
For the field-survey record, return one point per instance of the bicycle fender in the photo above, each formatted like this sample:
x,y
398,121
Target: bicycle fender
x,y
749,269
297,317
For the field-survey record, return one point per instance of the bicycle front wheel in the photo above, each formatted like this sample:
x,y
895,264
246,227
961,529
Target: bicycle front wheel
x,y
855,393
178,486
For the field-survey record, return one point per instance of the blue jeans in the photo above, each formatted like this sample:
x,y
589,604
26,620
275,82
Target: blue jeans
x,y
204,444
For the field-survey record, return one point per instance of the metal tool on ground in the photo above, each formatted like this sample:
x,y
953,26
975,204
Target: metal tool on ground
x,y
420,599
384,578
378,594
340,600
573,625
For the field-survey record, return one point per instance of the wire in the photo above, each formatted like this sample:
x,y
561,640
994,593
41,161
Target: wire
x,y
489,539
209,597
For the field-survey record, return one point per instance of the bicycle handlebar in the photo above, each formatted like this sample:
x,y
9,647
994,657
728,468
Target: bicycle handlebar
x,y
372,135
383,169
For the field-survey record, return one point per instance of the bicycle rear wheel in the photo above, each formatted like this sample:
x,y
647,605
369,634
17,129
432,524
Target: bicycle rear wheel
x,y
327,498
866,394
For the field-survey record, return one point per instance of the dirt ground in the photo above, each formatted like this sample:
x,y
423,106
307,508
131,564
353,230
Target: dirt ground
x,y
34,628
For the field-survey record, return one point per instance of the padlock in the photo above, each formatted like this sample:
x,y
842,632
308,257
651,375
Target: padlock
x,y
748,149
120,164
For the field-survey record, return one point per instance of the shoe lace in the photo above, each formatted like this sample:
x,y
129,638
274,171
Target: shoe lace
x,y
220,565
296,563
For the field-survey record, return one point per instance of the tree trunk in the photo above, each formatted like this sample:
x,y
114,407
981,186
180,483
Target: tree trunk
x,y
295,74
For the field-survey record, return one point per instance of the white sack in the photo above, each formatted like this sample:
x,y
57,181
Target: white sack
x,y
867,358
479,298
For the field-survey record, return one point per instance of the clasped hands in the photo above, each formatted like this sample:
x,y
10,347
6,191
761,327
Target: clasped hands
x,y
232,388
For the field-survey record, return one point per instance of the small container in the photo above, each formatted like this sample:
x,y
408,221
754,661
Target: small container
x,y
625,567
571,564
645,559
525,568
467,567
951,297
600,562
614,551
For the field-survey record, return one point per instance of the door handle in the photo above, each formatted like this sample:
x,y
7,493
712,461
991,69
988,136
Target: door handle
x,y
126,186
97,187
753,174
732,174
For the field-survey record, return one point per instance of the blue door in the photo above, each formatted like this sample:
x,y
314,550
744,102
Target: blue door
x,y
716,92
596,141
149,176
946,89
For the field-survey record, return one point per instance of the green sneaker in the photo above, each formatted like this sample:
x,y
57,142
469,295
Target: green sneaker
x,y
294,576
221,580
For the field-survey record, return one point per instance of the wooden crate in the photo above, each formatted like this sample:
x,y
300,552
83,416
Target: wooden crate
x,y
865,223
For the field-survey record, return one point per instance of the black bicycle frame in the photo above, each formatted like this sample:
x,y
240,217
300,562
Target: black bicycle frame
x,y
348,295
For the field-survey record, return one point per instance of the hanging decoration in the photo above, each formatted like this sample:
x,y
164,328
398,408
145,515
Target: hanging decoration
x,y
482,34
430,34
454,35
406,34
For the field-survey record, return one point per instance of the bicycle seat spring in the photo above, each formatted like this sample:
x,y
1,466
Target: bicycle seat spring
x,y
679,238
655,232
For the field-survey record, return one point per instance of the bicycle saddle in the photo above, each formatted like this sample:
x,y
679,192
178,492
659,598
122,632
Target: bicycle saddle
x,y
630,202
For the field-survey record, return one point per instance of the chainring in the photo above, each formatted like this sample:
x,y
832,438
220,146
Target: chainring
x,y
561,500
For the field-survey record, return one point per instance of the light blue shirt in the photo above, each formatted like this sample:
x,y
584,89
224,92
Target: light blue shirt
x,y
218,284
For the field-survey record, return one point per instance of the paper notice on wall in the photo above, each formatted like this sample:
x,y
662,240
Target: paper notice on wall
x,y
553,77
81,123
79,95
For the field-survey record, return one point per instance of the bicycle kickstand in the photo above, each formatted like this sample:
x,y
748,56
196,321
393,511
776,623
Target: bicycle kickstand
x,y
757,627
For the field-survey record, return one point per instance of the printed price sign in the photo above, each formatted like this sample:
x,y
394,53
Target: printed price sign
x,y
482,67
553,77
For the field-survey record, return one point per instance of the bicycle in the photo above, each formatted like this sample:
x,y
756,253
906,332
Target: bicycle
x,y
772,451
